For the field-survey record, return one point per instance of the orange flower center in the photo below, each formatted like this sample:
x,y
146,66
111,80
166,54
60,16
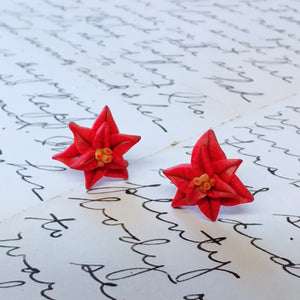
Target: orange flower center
x,y
204,182
103,156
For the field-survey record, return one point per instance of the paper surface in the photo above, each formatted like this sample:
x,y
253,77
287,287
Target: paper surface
x,y
169,71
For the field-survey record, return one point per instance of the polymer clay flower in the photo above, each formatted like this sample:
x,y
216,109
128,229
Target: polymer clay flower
x,y
210,180
98,151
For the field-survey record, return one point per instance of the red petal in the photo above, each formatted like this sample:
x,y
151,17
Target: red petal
x,y
197,160
91,177
179,199
214,194
210,207
85,162
120,161
115,166
69,156
222,186
182,177
182,199
214,149
121,143
195,197
226,168
184,171
102,137
120,173
245,195
119,138
83,137
205,152
201,160
106,116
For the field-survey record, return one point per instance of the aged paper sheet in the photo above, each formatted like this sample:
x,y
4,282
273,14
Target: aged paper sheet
x,y
169,71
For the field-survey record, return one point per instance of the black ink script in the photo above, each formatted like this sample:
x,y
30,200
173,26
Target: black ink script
x,y
22,171
13,251
54,221
241,228
92,270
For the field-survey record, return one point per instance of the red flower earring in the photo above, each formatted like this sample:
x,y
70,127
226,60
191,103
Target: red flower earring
x,y
98,151
210,180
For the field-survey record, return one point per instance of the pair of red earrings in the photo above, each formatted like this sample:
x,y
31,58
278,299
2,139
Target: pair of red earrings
x,y
209,181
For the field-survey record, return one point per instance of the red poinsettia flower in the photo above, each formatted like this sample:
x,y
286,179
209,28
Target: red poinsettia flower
x,y
98,151
210,180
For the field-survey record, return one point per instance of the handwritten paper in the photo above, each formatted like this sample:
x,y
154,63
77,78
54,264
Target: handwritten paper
x,y
169,70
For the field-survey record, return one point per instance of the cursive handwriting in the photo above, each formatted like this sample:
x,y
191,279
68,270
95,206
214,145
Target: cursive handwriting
x,y
291,219
194,297
92,269
241,146
241,228
13,251
55,233
150,66
229,83
88,72
194,101
265,66
146,110
135,191
22,171
1,160
58,143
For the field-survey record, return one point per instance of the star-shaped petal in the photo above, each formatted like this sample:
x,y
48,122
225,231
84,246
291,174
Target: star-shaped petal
x,y
98,151
210,180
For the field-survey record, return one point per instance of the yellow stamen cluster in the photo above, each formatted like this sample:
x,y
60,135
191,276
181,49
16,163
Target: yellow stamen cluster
x,y
103,156
204,182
